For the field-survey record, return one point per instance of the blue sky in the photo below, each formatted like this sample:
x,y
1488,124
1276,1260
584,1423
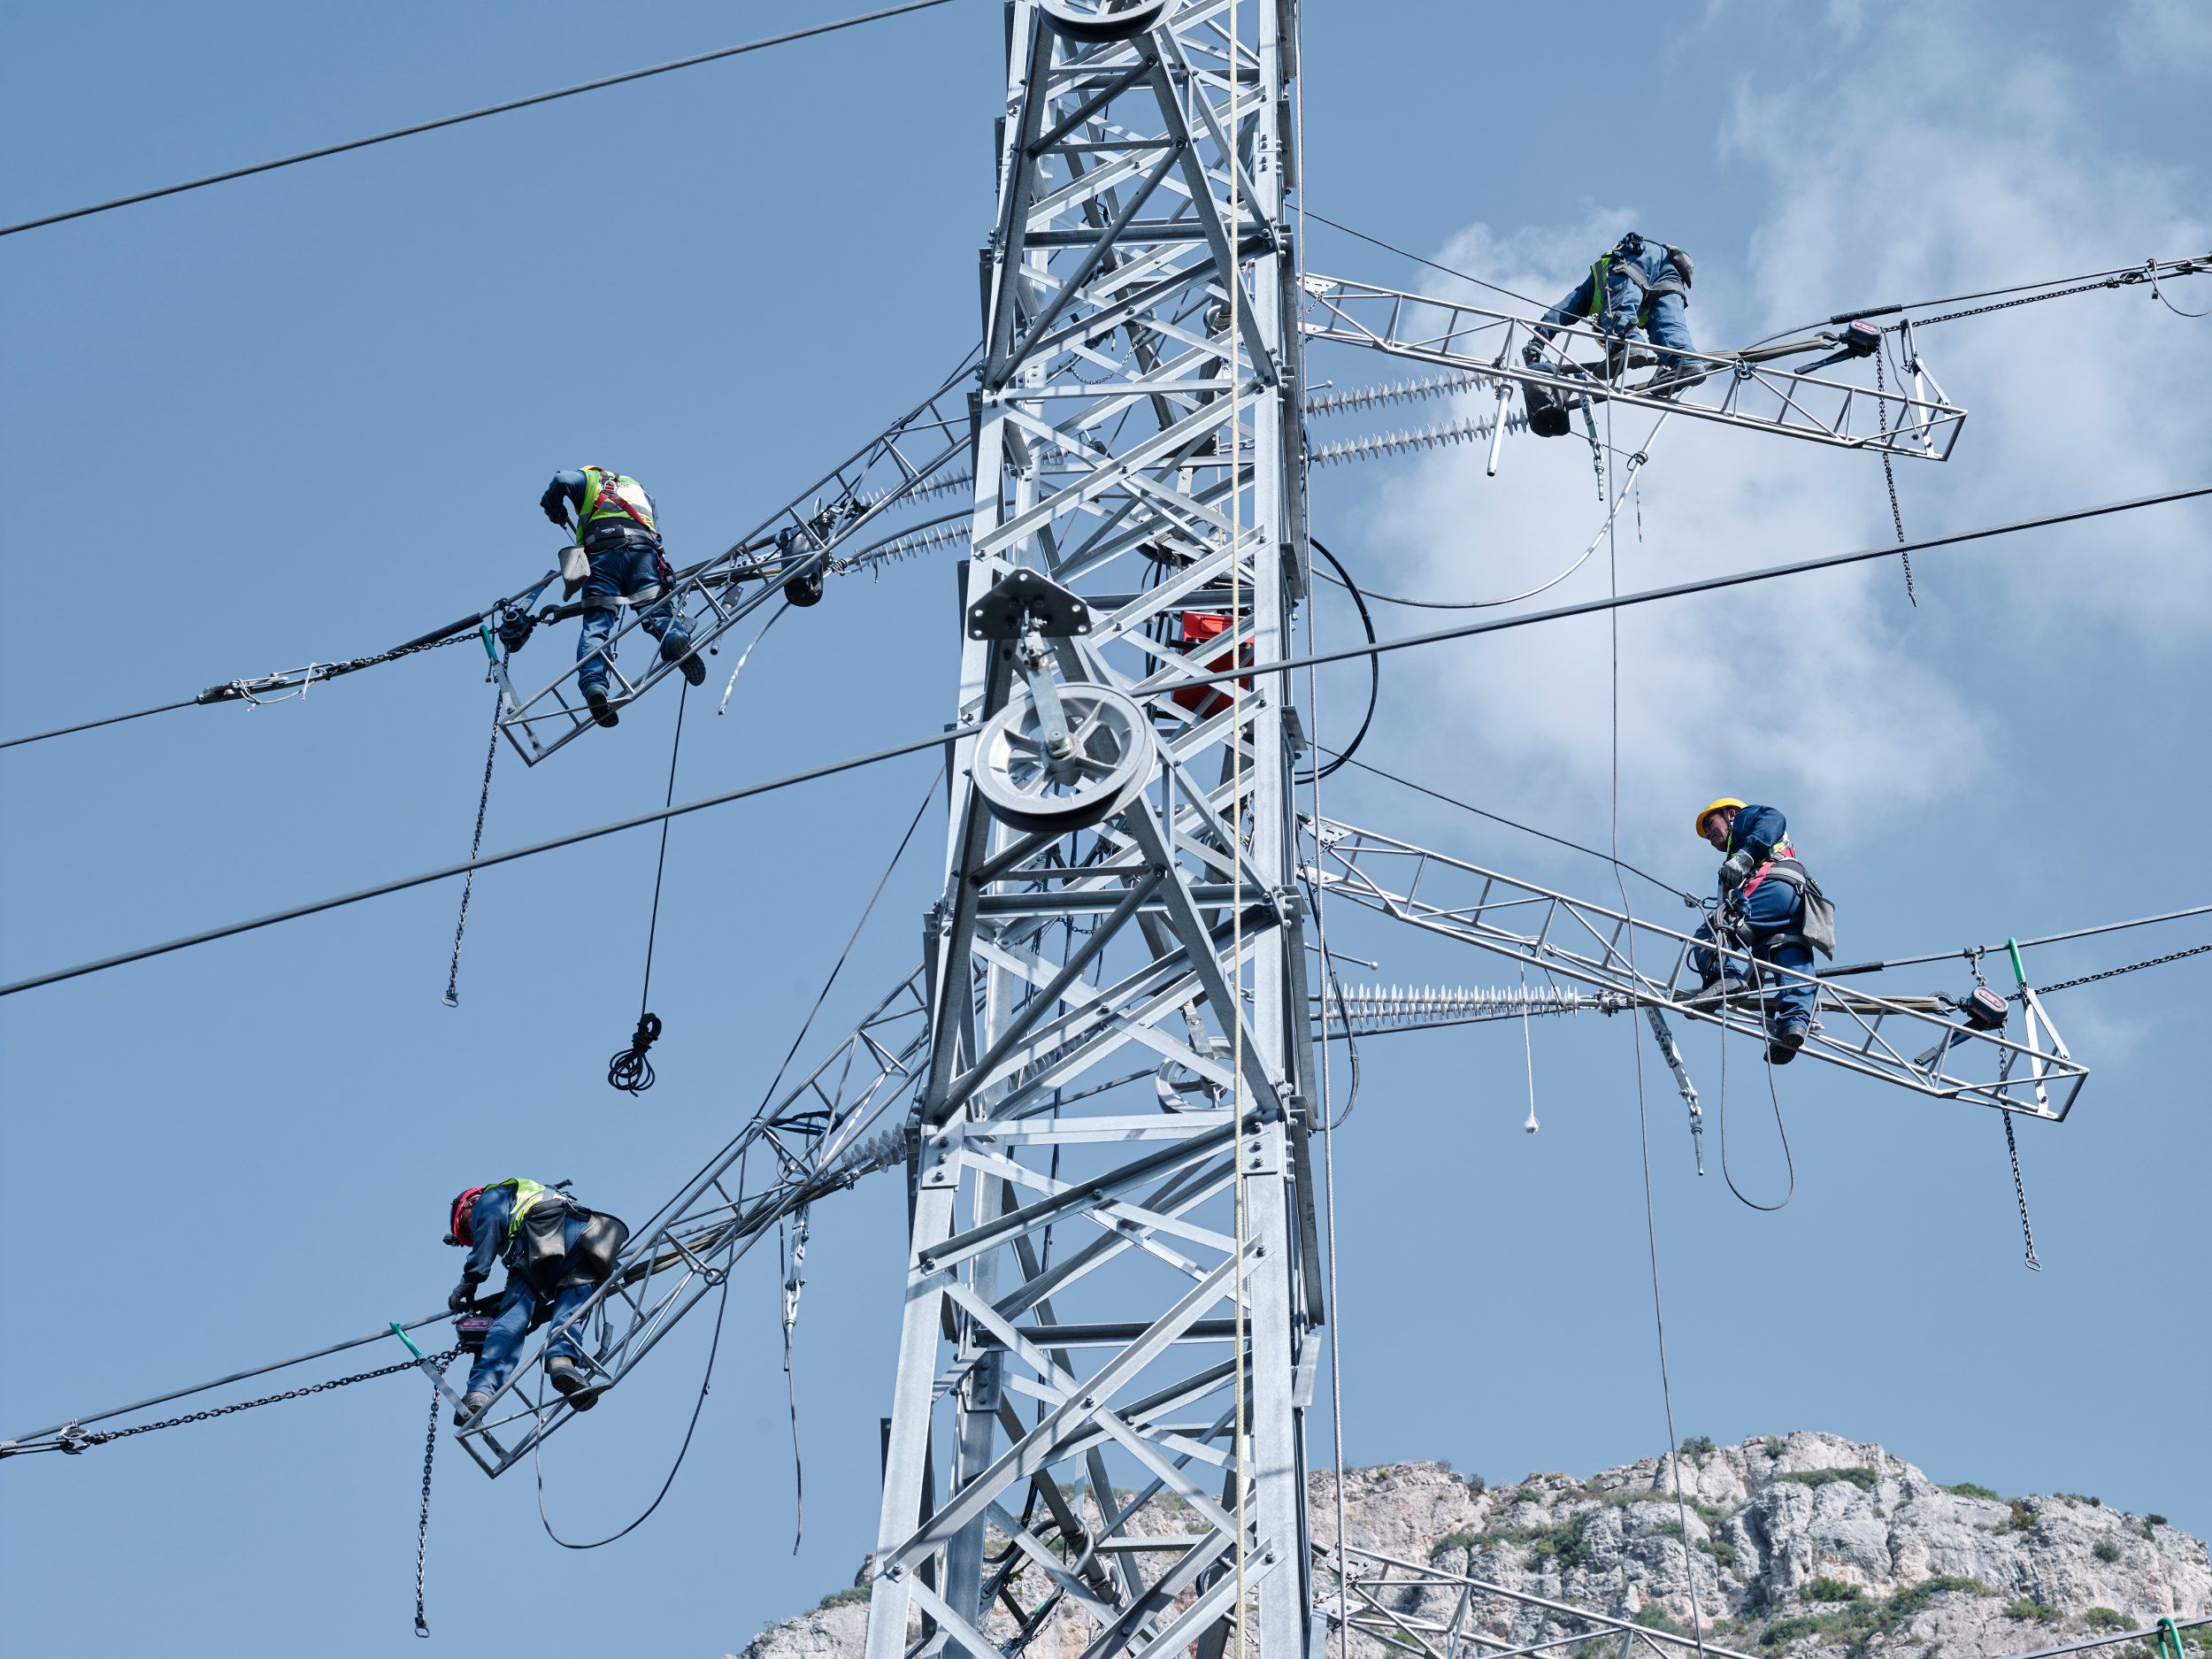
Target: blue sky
x,y
308,415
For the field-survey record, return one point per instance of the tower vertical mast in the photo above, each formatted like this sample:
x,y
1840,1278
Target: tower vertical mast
x,y
1111,1284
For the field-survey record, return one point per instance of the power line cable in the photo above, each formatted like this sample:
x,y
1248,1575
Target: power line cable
x,y
87,726
1526,829
1971,951
1404,254
852,762
1831,560
471,115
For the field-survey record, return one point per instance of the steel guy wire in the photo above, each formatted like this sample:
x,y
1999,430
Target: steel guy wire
x,y
1391,248
471,115
946,738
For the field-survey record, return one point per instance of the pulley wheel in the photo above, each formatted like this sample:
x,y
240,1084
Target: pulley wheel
x,y
1027,789
1091,22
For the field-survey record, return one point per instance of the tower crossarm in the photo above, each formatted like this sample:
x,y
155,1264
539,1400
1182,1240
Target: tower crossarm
x,y
1746,389
814,1140
1928,1044
868,509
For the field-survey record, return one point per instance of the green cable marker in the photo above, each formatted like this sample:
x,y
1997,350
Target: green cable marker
x,y
410,1341
484,633
2018,972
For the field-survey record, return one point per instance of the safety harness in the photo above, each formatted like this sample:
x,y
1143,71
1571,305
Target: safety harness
x,y
1601,274
603,502
1817,931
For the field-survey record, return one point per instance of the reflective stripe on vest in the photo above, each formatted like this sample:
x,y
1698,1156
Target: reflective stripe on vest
x,y
613,495
1782,866
1602,272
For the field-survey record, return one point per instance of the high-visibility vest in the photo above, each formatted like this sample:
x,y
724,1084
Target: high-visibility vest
x,y
527,1194
614,495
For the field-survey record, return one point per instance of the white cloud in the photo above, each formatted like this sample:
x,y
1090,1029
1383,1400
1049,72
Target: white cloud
x,y
1932,164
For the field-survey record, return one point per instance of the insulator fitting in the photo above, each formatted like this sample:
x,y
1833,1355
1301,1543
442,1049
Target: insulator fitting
x,y
1382,443
1378,1007
1374,397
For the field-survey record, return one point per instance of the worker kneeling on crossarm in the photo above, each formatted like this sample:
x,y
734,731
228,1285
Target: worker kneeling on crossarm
x,y
1771,906
616,527
556,1253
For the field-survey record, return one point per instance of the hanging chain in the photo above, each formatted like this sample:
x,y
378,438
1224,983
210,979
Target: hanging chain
x,y
476,841
422,1527
74,1439
1889,473
2020,1191
2110,974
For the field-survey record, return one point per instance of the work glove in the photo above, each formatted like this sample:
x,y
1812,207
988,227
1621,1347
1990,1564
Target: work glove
x,y
463,1293
555,503
1736,871
1531,354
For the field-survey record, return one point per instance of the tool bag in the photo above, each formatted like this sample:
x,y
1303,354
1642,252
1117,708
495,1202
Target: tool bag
x,y
592,1259
1819,925
575,567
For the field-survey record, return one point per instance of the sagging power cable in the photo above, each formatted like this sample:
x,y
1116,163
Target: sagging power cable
x,y
955,734
471,115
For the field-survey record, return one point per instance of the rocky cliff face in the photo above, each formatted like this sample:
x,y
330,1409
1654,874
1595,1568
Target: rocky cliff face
x,y
1806,1545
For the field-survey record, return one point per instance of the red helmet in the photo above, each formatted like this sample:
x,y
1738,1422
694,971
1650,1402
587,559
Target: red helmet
x,y
457,1226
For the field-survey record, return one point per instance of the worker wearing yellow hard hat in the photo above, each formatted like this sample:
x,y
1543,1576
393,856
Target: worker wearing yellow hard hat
x,y
1772,910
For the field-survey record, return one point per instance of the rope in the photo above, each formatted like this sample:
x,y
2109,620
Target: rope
x,y
714,1277
1636,1047
1788,1160
1233,277
476,844
792,1284
1374,664
629,1069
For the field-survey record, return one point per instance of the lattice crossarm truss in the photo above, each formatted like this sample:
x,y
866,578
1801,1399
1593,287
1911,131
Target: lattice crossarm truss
x,y
1737,391
1112,1266
1911,1042
865,510
815,1140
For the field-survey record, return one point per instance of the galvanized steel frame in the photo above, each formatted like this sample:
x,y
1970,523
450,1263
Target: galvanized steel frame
x,y
1612,951
1091,1284
1737,391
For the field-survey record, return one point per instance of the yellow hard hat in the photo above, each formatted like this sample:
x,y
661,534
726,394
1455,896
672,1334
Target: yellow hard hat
x,y
1704,812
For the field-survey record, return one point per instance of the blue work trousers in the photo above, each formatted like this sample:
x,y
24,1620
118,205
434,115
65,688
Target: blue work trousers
x,y
621,571
1774,907
1667,325
517,1312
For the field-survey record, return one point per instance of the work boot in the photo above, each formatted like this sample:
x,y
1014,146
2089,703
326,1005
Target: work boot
x,y
564,1373
695,671
1676,380
1788,1037
472,1404
601,710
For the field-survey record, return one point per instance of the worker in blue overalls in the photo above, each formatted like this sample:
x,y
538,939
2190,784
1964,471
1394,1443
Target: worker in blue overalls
x,y
615,525
1639,285
1765,895
556,1253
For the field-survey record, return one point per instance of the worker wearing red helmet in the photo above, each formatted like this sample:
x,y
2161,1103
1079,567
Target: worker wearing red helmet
x,y
556,1253
1775,907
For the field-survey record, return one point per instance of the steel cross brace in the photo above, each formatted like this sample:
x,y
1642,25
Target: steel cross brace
x,y
1884,1037
1737,391
1112,1263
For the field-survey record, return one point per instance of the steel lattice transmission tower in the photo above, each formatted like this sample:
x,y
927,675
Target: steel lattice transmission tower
x,y
1113,1267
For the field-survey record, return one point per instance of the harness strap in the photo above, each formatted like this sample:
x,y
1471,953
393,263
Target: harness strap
x,y
646,595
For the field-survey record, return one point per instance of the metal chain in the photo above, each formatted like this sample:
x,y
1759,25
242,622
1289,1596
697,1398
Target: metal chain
x,y
74,1439
2020,1191
429,1455
2109,974
1889,473
476,842
2125,279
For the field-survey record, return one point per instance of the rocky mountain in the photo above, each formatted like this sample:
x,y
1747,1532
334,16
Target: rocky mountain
x,y
1806,1545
